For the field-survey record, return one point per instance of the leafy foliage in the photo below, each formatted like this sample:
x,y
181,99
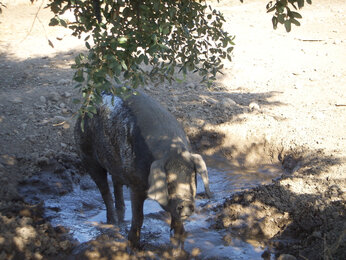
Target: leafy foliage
x,y
283,13
133,42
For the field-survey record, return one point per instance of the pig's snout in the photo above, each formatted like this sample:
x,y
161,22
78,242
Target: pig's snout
x,y
185,210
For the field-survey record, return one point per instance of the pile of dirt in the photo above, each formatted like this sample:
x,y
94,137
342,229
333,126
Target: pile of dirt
x,y
308,226
25,234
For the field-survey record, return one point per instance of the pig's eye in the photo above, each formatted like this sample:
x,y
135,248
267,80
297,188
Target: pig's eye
x,y
180,208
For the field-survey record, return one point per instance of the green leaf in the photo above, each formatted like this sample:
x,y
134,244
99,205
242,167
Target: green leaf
x,y
82,125
63,23
288,25
296,15
79,76
53,22
271,9
295,22
122,40
123,64
146,60
87,45
275,22
75,101
300,3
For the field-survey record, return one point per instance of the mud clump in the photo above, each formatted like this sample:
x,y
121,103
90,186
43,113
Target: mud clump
x,y
308,226
24,234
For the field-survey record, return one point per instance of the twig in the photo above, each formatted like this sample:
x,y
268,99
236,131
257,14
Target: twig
x,y
309,40
33,23
59,124
340,105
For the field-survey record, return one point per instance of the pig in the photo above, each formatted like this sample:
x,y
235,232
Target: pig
x,y
141,145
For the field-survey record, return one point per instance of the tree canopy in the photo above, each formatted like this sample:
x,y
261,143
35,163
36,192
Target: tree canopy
x,y
134,42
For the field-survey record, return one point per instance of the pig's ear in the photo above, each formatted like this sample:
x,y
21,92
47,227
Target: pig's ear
x,y
201,169
157,183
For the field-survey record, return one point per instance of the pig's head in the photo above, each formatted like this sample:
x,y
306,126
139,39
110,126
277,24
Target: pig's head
x,y
172,182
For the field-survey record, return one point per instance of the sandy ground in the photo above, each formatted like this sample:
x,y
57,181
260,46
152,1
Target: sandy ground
x,y
281,100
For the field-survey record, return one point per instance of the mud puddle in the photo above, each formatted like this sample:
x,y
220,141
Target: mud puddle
x,y
83,212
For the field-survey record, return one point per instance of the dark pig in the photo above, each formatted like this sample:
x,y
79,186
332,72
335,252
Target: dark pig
x,y
141,145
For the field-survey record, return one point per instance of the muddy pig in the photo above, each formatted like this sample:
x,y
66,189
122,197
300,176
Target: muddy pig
x,y
141,145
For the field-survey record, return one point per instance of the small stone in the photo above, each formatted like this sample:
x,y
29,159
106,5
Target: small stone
x,y
64,111
254,106
226,103
17,100
287,257
63,82
228,239
190,85
43,99
67,94
63,145
175,99
64,245
31,138
61,229
317,234
38,256
266,255
54,96
49,153
62,105
42,161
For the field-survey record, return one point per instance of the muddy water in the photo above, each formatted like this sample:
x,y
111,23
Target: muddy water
x,y
83,210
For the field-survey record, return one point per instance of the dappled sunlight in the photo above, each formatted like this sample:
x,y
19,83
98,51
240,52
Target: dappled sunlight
x,y
23,237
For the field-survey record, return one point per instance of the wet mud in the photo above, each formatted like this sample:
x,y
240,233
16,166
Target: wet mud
x,y
74,202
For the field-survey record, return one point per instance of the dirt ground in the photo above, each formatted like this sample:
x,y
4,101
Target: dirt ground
x,y
281,100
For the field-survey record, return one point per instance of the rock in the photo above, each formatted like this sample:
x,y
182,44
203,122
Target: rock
x,y
42,161
49,153
63,145
190,85
63,82
17,100
62,105
287,257
64,111
65,245
31,138
67,94
54,96
43,99
317,234
254,106
266,255
175,99
226,103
